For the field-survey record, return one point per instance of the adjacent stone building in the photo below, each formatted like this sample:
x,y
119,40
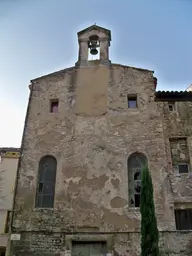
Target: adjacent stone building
x,y
8,169
89,129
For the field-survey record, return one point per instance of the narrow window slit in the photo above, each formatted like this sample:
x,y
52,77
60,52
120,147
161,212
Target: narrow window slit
x,y
132,101
40,187
171,106
54,106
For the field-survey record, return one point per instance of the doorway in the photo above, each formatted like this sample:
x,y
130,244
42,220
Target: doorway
x,y
2,251
89,248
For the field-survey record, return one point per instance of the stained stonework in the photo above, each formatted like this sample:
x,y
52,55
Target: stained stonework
x,y
179,150
41,243
91,137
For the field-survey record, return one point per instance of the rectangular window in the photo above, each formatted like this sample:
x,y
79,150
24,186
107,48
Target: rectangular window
x,y
132,101
183,219
137,200
54,106
7,223
171,106
183,168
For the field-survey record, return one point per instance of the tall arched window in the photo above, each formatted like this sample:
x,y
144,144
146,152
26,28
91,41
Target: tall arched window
x,y
136,163
46,182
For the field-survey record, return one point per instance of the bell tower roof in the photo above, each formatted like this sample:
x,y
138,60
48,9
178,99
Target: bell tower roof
x,y
94,41
94,27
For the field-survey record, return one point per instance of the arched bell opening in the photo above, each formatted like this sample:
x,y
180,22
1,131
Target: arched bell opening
x,y
94,48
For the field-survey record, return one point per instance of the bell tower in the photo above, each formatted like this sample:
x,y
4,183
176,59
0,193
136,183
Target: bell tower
x,y
93,41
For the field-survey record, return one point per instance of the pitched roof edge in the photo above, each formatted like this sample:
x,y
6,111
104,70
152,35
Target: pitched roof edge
x,y
125,66
73,67
53,73
173,95
174,92
95,27
189,88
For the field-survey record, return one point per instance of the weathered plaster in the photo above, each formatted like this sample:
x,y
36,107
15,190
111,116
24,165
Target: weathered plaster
x,y
92,136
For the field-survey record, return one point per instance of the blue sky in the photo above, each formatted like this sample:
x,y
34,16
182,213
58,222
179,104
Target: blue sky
x,y
39,37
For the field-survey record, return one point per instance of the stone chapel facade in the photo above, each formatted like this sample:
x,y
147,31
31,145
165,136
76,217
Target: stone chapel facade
x,y
89,129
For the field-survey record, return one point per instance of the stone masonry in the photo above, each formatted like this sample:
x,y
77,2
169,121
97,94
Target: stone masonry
x,y
92,136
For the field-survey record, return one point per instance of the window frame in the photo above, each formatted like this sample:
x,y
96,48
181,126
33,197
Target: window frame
x,y
173,105
132,170
188,168
132,97
46,183
54,101
188,212
7,222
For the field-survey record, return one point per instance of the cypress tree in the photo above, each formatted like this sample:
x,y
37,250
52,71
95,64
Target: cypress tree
x,y
149,230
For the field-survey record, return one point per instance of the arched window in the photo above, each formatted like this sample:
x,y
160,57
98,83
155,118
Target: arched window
x,y
136,163
46,182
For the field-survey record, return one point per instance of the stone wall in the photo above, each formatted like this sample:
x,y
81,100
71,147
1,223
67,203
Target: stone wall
x,y
92,137
121,244
178,130
179,150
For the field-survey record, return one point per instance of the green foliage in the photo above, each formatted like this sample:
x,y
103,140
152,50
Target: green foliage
x,y
149,230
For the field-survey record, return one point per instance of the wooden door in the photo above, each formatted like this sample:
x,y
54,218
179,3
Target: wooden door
x,y
89,249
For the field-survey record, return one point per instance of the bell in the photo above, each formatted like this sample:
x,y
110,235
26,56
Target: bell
x,y
93,51
93,44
